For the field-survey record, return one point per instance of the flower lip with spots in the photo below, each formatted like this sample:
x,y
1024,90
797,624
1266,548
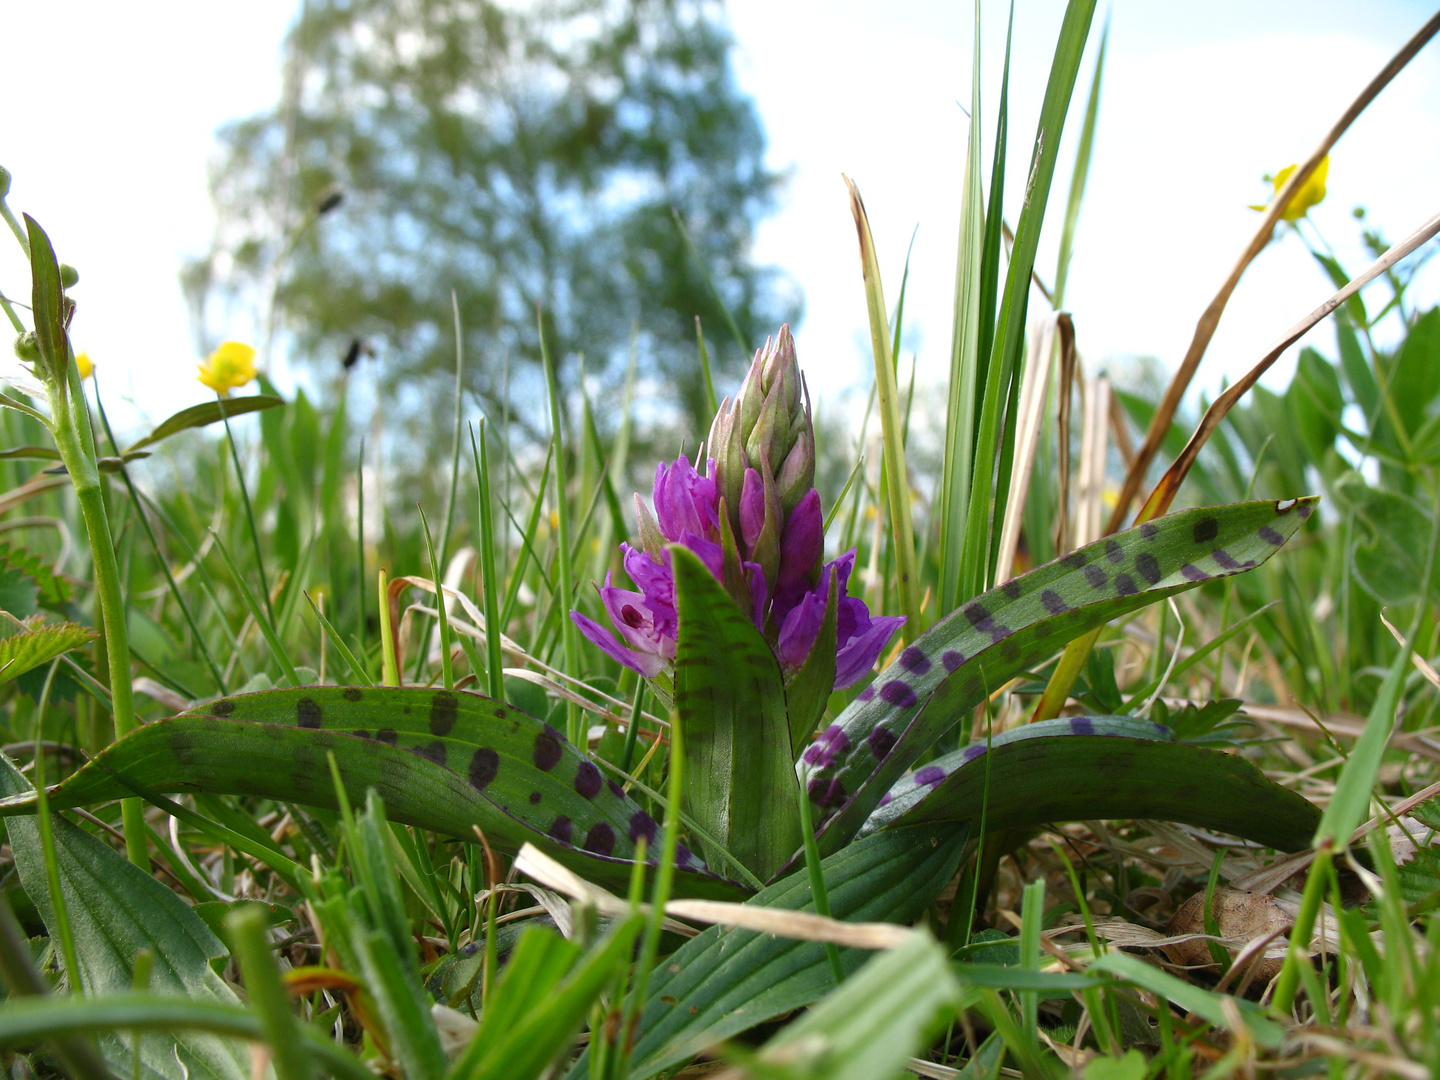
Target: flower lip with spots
x,y
772,530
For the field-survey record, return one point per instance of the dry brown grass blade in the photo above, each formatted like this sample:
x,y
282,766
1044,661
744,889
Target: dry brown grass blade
x,y
1034,390
1169,484
1421,664
1205,329
1090,487
790,924
1069,365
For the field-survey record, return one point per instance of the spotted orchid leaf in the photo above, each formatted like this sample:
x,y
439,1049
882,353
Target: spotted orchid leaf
x,y
730,701
1099,767
979,646
728,980
439,759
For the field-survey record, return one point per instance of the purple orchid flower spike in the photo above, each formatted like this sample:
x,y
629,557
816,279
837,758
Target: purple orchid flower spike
x,y
756,523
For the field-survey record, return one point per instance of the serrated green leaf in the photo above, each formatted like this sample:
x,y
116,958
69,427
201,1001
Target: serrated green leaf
x,y
33,647
976,649
204,414
439,759
54,590
730,699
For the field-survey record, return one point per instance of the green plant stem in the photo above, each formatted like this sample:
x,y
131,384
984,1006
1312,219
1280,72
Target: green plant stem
x,y
76,443
664,881
47,843
249,511
569,635
268,999
817,879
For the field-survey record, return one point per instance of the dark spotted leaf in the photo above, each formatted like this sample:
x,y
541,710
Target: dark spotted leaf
x,y
730,700
440,760
980,645
726,980
1100,767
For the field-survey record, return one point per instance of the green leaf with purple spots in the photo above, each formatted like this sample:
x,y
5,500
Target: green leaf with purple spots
x,y
439,759
730,702
1087,767
979,646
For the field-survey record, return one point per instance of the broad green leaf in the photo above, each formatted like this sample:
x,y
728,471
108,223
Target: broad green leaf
x,y
115,910
1101,767
974,650
1414,376
924,783
730,700
1389,563
32,647
726,981
204,414
890,1009
439,759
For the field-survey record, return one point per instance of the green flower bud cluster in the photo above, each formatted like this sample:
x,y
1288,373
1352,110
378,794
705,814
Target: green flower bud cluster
x,y
765,430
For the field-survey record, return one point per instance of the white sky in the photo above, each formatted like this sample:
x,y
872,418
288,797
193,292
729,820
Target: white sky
x,y
110,156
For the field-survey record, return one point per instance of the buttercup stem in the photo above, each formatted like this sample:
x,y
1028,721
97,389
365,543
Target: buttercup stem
x,y
70,425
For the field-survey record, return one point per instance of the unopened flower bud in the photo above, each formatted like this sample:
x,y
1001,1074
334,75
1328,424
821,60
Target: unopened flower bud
x,y
27,347
68,275
4,181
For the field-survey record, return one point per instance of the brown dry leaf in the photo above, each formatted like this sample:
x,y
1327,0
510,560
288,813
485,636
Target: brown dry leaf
x,y
1242,917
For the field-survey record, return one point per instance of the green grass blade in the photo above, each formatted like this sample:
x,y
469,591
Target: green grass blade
x,y
964,352
897,479
1080,175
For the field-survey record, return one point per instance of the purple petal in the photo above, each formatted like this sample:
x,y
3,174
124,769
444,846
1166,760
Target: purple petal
x,y
759,592
652,575
752,508
710,553
799,630
858,654
647,664
645,624
801,544
684,500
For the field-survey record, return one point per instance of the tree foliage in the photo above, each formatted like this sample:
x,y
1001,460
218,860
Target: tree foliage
x,y
525,156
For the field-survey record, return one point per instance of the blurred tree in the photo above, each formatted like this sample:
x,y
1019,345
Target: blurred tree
x,y
521,154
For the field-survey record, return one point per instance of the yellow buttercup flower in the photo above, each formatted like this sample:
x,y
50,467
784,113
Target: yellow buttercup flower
x,y
230,366
1310,193
82,361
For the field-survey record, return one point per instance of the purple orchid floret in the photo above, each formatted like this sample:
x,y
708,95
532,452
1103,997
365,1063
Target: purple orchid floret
x,y
684,500
759,535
